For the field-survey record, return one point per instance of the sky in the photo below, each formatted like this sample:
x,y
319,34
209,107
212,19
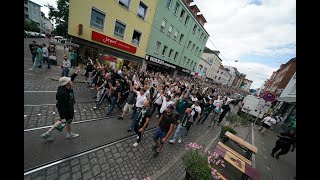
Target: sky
x,y
260,34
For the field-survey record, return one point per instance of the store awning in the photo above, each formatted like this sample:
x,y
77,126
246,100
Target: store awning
x,y
287,99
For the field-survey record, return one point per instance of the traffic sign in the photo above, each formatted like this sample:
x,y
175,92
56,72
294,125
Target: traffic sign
x,y
269,97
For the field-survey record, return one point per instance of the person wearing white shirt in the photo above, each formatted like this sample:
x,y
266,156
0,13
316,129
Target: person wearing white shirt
x,y
141,98
45,55
157,102
196,111
267,123
165,103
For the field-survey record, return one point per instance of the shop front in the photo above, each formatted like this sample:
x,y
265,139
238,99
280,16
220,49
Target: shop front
x,y
157,65
183,72
120,55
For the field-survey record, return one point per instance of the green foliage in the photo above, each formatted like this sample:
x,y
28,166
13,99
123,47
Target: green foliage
x,y
31,26
60,15
197,165
228,128
243,119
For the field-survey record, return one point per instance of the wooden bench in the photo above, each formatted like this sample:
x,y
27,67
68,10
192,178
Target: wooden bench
x,y
250,148
237,162
234,152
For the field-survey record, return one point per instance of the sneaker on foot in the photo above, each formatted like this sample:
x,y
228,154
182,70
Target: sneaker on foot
x,y
137,137
31,69
179,141
171,141
71,135
46,136
157,115
156,154
120,117
129,130
135,144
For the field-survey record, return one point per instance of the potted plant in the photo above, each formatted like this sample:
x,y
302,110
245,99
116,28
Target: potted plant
x,y
224,129
200,164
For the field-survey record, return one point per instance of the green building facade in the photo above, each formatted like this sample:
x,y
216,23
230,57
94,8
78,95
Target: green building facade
x,y
177,37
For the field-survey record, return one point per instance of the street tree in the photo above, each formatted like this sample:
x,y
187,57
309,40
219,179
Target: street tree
x,y
30,25
60,16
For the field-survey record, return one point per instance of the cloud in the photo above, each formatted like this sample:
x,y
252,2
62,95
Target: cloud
x,y
238,28
260,72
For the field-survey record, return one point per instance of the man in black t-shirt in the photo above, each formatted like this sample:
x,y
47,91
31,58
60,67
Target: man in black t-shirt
x,y
164,129
143,119
286,140
116,93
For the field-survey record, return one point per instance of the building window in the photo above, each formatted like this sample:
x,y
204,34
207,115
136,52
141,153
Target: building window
x,y
119,29
142,10
192,48
136,37
191,64
176,8
170,53
200,67
199,53
184,59
194,66
215,77
188,62
221,73
181,38
97,19
218,71
158,47
204,39
163,24
164,50
199,31
170,30
205,69
168,3
182,14
196,50
189,44
175,35
219,78
187,20
124,3
201,36
194,29
175,56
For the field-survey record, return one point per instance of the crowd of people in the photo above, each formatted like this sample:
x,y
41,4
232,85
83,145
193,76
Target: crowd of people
x,y
179,101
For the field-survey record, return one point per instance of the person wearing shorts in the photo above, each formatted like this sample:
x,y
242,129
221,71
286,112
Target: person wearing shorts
x,y
65,105
164,129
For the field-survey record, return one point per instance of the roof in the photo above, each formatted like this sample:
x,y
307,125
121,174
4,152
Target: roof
x,y
195,7
202,17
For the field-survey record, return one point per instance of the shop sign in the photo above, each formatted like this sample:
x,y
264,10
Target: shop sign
x,y
113,42
159,61
110,58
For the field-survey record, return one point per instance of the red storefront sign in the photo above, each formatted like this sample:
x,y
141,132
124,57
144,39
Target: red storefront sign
x,y
109,58
113,42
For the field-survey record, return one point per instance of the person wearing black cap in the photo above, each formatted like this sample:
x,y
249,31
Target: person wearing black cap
x,y
164,129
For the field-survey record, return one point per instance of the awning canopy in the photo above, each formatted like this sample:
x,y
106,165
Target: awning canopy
x,y
287,99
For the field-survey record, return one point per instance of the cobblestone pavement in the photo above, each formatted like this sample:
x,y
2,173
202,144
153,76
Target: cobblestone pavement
x,y
123,161
38,116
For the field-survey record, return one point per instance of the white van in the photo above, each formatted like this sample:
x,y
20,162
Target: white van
x,y
255,106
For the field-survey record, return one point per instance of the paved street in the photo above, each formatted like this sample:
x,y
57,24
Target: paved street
x,y
104,149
